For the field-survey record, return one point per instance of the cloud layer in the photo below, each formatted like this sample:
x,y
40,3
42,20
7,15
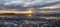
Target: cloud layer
x,y
24,3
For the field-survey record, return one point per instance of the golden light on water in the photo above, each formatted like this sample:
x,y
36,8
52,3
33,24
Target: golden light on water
x,y
30,15
30,11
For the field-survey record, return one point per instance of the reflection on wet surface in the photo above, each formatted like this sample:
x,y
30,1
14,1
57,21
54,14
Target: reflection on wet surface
x,y
27,21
